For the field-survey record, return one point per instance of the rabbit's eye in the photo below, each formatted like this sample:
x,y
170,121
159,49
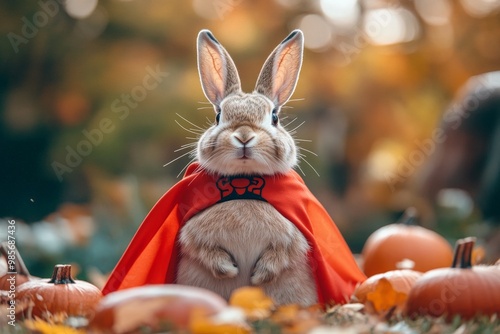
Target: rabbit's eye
x,y
217,118
275,118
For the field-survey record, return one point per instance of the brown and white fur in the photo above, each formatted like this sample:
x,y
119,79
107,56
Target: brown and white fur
x,y
247,242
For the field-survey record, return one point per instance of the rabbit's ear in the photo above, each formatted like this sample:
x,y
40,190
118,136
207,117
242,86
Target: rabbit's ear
x,y
218,74
278,77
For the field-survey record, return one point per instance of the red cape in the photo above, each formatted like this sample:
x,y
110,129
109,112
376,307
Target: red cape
x,y
152,255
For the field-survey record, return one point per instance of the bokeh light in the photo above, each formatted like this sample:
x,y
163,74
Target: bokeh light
x,y
386,26
343,14
480,8
80,9
434,12
317,31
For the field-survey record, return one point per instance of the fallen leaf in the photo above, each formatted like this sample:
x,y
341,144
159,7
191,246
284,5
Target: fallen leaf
x,y
286,315
43,327
219,324
385,297
253,300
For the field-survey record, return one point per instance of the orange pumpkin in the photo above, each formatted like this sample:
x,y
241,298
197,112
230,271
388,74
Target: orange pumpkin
x,y
154,306
401,281
463,289
59,295
391,244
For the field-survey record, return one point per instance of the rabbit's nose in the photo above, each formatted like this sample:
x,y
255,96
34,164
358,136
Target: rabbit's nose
x,y
244,139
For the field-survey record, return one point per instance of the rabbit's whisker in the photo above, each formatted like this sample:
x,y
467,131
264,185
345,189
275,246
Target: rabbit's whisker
x,y
307,162
193,131
298,126
308,151
185,146
185,167
188,121
300,169
293,120
190,144
181,156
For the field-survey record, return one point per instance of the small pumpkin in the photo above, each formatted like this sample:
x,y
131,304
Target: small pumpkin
x,y
60,294
463,289
391,244
401,281
16,271
154,306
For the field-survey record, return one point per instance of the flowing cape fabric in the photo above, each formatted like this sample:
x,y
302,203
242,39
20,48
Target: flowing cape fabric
x,y
152,255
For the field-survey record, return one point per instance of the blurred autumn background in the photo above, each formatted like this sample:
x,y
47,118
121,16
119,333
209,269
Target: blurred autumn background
x,y
96,96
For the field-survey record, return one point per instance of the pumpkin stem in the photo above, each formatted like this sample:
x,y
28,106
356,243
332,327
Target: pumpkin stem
x,y
19,266
463,253
62,274
409,217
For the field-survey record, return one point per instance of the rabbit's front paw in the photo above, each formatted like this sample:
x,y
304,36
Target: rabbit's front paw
x,y
271,263
221,263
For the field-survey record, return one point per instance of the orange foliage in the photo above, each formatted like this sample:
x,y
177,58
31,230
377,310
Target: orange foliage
x,y
385,298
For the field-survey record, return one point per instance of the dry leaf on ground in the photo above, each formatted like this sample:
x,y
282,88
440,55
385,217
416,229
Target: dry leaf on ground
x,y
385,298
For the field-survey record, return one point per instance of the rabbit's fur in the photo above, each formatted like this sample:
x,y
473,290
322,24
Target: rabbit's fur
x,y
247,242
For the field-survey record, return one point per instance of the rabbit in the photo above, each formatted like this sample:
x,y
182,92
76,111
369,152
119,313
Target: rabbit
x,y
247,242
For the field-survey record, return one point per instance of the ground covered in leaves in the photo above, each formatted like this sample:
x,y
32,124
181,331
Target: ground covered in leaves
x,y
253,312
336,320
